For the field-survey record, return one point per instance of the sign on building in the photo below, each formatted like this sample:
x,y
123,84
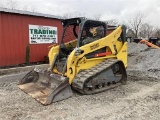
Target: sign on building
x,y
42,34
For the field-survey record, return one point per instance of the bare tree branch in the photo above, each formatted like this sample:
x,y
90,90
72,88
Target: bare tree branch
x,y
12,4
97,16
130,33
112,22
157,33
136,22
74,14
146,30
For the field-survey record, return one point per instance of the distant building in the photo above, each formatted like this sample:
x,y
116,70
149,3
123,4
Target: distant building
x,y
20,28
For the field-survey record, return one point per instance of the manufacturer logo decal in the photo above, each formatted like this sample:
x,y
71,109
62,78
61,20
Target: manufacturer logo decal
x,y
94,46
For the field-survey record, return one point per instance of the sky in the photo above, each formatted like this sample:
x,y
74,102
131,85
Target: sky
x,y
121,10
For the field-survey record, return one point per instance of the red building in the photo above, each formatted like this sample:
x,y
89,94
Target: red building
x,y
20,28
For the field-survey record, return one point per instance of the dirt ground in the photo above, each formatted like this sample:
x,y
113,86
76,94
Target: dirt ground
x,y
139,99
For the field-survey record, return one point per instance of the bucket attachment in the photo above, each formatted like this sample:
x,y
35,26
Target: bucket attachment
x,y
45,87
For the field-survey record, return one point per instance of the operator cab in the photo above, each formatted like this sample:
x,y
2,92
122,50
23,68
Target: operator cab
x,y
82,30
78,32
92,30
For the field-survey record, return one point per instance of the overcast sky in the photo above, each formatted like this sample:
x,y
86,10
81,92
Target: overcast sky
x,y
122,10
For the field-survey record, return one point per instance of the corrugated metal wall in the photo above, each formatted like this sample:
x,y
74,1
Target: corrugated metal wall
x,y
14,37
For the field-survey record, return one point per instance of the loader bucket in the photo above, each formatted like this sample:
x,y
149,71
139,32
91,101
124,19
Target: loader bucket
x,y
45,87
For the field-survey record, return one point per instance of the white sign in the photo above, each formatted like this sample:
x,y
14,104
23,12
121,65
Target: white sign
x,y
42,34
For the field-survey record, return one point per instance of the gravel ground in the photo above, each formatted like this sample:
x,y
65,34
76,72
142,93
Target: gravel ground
x,y
143,61
138,100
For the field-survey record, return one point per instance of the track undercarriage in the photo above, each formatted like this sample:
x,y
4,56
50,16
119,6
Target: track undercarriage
x,y
107,74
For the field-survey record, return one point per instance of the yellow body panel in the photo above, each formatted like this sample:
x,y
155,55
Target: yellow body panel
x,y
77,63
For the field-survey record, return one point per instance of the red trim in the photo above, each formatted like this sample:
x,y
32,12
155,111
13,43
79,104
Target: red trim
x,y
102,54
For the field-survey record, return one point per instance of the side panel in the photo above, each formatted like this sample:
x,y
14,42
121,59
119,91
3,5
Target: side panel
x,y
77,63
122,55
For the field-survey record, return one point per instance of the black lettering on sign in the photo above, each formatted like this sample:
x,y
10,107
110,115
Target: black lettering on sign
x,y
94,46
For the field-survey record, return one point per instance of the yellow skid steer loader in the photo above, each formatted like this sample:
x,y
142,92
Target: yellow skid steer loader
x,y
87,60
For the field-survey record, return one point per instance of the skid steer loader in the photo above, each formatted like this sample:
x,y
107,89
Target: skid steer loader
x,y
87,60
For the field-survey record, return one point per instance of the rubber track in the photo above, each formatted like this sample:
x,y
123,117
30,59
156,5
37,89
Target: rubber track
x,y
82,76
